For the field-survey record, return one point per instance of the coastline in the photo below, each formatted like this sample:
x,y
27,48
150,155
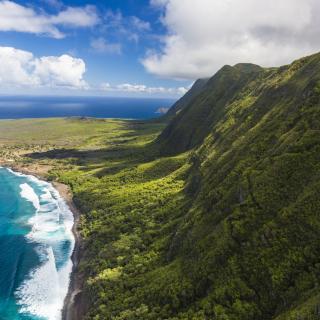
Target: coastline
x,y
69,311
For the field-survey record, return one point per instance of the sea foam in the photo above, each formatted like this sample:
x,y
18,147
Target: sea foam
x,y
40,294
43,291
28,193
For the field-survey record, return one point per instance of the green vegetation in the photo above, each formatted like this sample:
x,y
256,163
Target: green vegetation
x,y
217,218
184,101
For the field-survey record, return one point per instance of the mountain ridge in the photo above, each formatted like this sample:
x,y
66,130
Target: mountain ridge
x,y
253,169
207,106
197,114
195,89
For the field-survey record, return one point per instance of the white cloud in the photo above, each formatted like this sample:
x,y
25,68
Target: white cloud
x,y
15,17
203,35
15,67
105,86
76,17
143,89
102,46
22,69
139,24
182,90
159,3
63,71
131,28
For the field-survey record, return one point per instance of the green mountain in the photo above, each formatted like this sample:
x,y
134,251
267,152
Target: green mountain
x,y
217,216
250,238
196,88
208,106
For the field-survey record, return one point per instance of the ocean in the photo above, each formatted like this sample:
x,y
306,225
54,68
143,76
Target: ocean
x,y
36,243
36,239
100,107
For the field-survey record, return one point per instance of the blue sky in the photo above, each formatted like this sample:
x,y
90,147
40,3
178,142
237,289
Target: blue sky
x,y
144,47
112,45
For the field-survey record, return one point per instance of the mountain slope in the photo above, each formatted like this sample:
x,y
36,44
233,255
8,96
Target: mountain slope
x,y
218,217
252,234
227,225
194,91
195,120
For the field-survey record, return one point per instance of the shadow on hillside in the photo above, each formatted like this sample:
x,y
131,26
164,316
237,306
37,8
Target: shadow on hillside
x,y
96,154
105,161
121,151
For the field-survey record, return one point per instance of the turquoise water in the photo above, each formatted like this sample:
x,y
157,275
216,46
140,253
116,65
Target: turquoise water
x,y
36,244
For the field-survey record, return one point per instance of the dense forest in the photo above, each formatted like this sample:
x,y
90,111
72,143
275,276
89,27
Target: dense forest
x,y
216,217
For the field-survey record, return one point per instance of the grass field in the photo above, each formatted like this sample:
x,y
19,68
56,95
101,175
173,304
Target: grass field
x,y
19,138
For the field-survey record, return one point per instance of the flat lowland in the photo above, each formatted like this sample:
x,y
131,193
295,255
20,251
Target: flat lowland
x,y
21,139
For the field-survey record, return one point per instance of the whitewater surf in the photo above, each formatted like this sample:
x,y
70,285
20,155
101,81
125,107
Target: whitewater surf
x,y
36,244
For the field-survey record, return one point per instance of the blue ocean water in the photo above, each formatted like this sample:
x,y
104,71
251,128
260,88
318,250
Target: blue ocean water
x,y
99,107
36,244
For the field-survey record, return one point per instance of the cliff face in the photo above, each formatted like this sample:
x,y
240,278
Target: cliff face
x,y
194,91
196,118
250,240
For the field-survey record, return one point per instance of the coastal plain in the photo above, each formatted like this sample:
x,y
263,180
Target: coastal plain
x,y
92,156
210,212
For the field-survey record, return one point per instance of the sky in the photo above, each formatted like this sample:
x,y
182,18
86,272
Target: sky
x,y
149,48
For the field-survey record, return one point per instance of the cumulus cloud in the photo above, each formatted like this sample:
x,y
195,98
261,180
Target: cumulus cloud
x,y
62,71
100,45
143,89
22,69
15,66
15,17
203,35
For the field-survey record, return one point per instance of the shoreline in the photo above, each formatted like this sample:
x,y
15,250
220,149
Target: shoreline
x,y
68,310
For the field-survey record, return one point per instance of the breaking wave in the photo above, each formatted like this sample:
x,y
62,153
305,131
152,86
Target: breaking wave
x,y
42,293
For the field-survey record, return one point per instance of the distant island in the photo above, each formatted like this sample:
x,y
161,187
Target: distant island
x,y
209,212
162,110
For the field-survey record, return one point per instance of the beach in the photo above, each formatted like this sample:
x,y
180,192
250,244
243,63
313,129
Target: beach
x,y
69,311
